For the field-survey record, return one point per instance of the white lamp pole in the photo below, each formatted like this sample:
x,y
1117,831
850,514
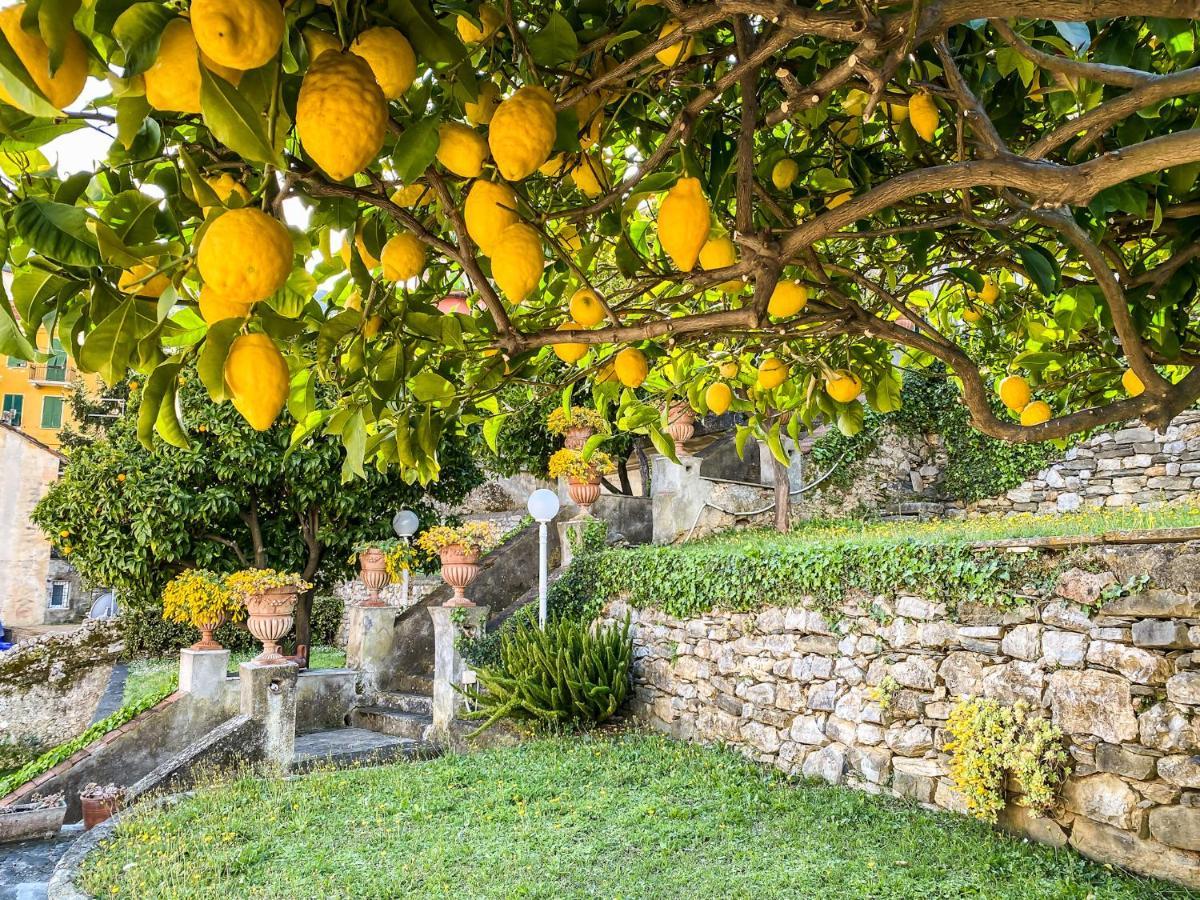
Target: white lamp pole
x,y
405,525
543,506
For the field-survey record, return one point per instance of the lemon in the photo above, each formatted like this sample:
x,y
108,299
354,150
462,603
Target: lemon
x,y
517,261
241,34
480,111
403,257
788,298
729,368
718,398
363,253
1036,413
1132,384
590,175
488,210
897,112
555,166
461,149
489,17
139,280
839,200
214,307
569,236
772,372
256,376
843,386
971,315
586,308
990,292
226,187
631,367
390,56
372,327
318,41
65,85
591,120
855,102
677,52
923,115
570,352
173,79
783,175
1014,392
245,254
341,114
522,132
415,194
719,253
848,132
683,223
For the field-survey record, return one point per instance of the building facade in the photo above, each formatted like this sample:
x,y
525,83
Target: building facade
x,y
35,396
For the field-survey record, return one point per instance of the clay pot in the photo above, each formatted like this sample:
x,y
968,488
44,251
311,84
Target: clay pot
x,y
96,810
459,568
270,618
584,491
372,571
576,437
681,425
206,641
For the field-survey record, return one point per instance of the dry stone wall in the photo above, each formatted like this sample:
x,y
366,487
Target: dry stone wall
x,y
1121,678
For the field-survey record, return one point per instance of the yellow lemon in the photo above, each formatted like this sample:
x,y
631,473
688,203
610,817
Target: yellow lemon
x,y
631,367
570,352
461,149
390,56
683,223
719,253
480,111
590,175
318,41
256,376
729,368
241,34
173,79
788,298
522,132
139,280
568,235
839,200
783,175
415,194
772,372
341,114
363,253
488,210
1014,392
897,112
372,327
848,132
489,17
718,398
245,254
554,166
517,261
990,293
843,386
1036,413
403,257
855,102
226,187
214,307
677,52
923,115
1132,384
65,85
971,315
586,308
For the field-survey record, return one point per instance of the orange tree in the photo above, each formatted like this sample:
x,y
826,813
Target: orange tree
x,y
796,201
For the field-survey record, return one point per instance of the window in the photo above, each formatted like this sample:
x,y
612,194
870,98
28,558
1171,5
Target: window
x,y
56,368
13,404
15,363
60,593
52,408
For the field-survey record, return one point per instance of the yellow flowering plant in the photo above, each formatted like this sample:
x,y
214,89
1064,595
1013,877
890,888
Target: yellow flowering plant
x,y
573,464
474,537
198,597
561,420
249,582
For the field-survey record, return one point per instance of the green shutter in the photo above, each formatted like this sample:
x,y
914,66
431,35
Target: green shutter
x,y
14,403
52,408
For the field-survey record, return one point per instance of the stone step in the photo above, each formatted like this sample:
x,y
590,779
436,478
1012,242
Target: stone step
x,y
422,704
390,721
414,684
342,748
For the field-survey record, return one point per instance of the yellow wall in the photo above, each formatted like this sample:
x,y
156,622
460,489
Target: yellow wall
x,y
34,383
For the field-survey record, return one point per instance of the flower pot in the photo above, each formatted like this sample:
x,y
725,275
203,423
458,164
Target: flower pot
x,y
97,810
576,437
207,642
681,425
372,571
269,618
32,820
584,491
459,568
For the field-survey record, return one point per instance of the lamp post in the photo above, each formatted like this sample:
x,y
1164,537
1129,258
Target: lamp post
x,y
543,506
405,525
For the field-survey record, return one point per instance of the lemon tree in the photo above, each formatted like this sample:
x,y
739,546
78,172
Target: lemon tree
x,y
403,218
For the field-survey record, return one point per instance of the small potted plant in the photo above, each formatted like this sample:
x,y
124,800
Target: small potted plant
x,y
459,549
681,425
373,568
270,600
37,817
100,802
583,475
576,425
197,597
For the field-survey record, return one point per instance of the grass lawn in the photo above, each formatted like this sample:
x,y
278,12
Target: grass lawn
x,y
636,816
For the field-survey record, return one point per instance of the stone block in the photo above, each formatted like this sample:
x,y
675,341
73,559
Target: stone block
x,y
1014,681
202,674
828,763
962,673
1024,822
1066,617
1093,703
873,764
1184,688
1113,758
1102,798
761,737
1153,603
1106,844
1023,642
1064,649
1162,634
1176,826
945,796
808,729
916,608
1181,770
1139,666
1083,587
913,740
841,730
823,696
915,672
1163,727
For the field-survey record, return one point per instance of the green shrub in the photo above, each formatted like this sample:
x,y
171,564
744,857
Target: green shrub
x,y
326,619
569,674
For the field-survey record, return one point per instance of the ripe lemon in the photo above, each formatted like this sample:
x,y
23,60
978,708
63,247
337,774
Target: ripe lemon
x,y
390,56
65,85
462,149
631,367
784,174
683,223
718,398
568,235
923,115
848,132
517,261
855,102
341,114
372,327
590,175
403,257
481,110
971,315
241,34
719,253
415,194
1132,384
570,352
772,372
839,200
318,41
677,52
522,132
173,80
489,17
488,210
788,298
1035,413
843,386
226,187
586,308
256,376
363,253
554,166
729,368
138,280
990,292
245,254
214,307
1014,392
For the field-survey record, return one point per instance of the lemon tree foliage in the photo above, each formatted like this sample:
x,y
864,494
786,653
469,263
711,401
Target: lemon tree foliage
x,y
383,215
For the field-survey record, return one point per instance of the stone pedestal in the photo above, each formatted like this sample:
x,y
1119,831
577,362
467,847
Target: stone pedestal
x,y
570,533
448,664
678,494
202,673
268,695
369,640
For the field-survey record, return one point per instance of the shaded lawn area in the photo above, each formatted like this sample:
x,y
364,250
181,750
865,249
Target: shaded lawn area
x,y
634,816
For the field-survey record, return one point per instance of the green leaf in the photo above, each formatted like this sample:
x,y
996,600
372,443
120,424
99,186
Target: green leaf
x,y
415,150
491,431
211,363
138,30
168,424
429,387
20,86
131,113
884,395
56,230
354,439
233,121
970,276
432,40
662,443
56,25
12,341
153,392
1042,267
111,344
850,419
554,43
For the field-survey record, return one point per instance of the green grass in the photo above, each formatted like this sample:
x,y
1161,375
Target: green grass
x,y
637,816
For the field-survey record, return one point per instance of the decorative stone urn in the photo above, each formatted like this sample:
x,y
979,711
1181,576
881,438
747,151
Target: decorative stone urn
x,y
681,425
584,491
460,566
207,641
576,437
372,571
270,618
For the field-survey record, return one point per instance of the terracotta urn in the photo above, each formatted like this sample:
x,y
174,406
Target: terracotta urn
x,y
584,491
681,425
459,568
576,437
207,642
99,809
270,618
372,571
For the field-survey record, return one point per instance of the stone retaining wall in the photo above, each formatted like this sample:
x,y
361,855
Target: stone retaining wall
x,y
1121,678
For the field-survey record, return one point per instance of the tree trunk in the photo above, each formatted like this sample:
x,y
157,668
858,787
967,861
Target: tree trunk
x,y
783,499
308,532
623,476
644,468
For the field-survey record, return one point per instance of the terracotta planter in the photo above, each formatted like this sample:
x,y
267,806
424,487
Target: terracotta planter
x,y
96,811
459,568
584,491
576,437
206,641
372,571
270,618
681,425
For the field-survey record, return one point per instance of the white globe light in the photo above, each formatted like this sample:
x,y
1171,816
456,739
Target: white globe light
x,y
543,505
405,523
